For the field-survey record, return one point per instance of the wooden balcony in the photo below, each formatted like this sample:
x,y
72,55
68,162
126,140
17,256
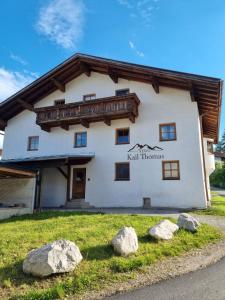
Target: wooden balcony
x,y
102,109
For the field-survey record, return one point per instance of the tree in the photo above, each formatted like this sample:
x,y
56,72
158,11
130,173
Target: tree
x,y
220,147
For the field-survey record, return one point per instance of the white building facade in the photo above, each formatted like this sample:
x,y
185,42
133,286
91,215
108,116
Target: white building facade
x,y
158,157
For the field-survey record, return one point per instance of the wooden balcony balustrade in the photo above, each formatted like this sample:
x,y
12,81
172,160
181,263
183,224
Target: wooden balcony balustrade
x,y
102,109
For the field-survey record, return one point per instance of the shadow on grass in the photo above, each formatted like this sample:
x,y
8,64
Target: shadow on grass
x,y
48,215
14,272
99,252
216,202
147,239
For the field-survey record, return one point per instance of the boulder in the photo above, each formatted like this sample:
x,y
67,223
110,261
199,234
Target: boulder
x,y
163,230
188,222
126,241
57,257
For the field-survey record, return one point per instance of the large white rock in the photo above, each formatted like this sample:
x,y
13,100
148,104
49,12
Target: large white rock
x,y
126,241
58,257
188,222
163,230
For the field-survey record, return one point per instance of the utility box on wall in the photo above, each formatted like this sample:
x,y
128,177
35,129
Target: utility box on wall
x,y
146,202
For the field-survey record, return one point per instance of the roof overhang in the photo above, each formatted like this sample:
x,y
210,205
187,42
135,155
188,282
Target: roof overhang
x,y
53,161
206,91
8,171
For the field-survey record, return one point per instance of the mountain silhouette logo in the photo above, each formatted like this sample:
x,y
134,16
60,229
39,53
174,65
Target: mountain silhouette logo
x,y
145,147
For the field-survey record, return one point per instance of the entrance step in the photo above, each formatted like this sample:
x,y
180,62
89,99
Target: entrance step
x,y
78,203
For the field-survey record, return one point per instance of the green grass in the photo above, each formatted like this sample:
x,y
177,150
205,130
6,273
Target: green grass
x,y
217,208
92,233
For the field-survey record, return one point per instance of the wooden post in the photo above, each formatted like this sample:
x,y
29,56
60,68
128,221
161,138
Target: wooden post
x,y
68,182
38,191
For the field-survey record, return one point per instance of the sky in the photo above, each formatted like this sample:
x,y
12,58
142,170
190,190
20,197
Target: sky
x,y
182,35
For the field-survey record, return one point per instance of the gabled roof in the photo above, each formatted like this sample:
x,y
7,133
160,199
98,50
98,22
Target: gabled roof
x,y
207,91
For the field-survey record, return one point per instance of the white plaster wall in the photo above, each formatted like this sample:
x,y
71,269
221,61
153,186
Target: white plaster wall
x,y
53,188
170,105
17,191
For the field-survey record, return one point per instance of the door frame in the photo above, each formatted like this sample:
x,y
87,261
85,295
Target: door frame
x,y
71,180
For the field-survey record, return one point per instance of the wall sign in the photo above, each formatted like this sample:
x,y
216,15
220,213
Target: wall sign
x,y
145,151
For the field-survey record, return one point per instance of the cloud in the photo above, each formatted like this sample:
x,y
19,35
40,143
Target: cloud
x,y
126,3
133,47
142,9
18,59
11,81
62,22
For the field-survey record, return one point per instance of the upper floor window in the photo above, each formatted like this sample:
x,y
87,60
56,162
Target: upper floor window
x,y
122,136
80,139
122,171
33,143
210,147
171,170
167,132
59,102
89,97
122,92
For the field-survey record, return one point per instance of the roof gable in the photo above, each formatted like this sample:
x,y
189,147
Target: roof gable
x,y
206,91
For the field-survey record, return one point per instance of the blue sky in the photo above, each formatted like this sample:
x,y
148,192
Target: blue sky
x,y
184,35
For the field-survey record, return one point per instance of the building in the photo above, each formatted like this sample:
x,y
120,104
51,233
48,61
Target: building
x,y
219,156
105,133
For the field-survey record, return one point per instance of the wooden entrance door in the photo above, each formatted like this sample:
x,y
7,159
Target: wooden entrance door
x,y
79,182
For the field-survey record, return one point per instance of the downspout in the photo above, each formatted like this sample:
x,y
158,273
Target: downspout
x,y
203,160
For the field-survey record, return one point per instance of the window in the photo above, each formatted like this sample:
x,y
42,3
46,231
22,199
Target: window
x,y
171,170
122,171
122,136
80,139
33,142
59,102
89,97
167,132
122,92
210,147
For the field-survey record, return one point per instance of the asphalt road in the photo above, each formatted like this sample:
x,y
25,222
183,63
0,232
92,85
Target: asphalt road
x,y
205,284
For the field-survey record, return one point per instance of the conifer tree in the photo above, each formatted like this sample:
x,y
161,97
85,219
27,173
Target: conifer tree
x,y
220,147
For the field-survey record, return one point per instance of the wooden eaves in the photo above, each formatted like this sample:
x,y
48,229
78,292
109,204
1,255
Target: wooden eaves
x,y
206,91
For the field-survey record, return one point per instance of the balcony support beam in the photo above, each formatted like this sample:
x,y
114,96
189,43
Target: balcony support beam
x,y
107,121
25,105
59,85
46,128
65,127
132,118
84,123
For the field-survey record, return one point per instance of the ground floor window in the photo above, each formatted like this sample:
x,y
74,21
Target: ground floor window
x,y
122,171
171,170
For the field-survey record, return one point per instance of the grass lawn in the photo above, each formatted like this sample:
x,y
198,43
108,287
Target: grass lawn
x,y
217,208
92,233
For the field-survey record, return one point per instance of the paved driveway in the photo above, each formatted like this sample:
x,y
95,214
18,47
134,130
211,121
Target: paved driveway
x,y
205,284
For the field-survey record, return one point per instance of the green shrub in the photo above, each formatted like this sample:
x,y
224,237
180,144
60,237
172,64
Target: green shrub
x,y
217,178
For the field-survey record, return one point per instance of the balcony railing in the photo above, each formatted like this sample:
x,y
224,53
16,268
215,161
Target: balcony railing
x,y
102,109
